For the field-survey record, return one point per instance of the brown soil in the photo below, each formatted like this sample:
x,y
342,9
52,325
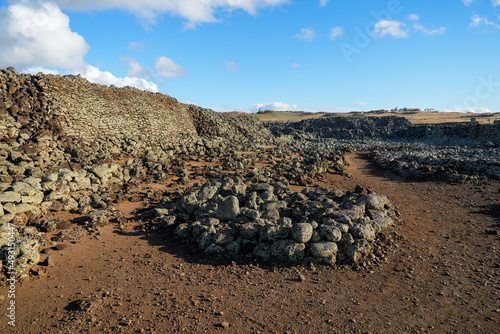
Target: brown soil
x,y
438,274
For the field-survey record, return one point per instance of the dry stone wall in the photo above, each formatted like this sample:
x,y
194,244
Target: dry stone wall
x,y
91,111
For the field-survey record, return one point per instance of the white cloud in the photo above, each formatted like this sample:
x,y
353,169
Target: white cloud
x,y
135,69
480,110
95,75
494,3
297,65
281,106
37,37
231,66
168,69
36,69
336,32
195,11
323,3
425,31
38,34
361,104
478,21
414,17
276,106
395,29
307,34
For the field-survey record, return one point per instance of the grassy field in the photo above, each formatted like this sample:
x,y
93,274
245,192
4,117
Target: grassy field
x,y
420,117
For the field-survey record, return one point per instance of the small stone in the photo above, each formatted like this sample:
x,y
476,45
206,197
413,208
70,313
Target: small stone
x,y
49,261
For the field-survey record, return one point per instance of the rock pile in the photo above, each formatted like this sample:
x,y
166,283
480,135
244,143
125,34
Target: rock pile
x,y
344,127
392,128
443,163
270,222
27,205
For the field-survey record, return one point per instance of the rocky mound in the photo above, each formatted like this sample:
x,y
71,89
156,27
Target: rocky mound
x,y
344,127
442,163
269,222
392,128
209,124
49,122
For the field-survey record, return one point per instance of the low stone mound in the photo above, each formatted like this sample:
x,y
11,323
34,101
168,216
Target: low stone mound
x,y
209,123
271,223
386,128
345,127
443,163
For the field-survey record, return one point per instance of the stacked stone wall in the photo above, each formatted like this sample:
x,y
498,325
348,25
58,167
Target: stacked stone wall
x,y
91,111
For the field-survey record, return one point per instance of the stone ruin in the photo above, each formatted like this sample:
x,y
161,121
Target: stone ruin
x,y
69,145
267,222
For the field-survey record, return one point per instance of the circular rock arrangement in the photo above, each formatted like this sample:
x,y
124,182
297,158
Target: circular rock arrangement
x,y
270,222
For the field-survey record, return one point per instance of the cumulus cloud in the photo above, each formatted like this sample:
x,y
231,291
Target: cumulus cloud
x,y
168,69
135,69
195,11
38,33
478,21
425,31
468,2
336,32
36,37
480,110
231,66
36,69
276,106
95,75
395,29
306,34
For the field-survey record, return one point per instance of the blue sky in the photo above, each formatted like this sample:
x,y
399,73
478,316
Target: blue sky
x,y
335,55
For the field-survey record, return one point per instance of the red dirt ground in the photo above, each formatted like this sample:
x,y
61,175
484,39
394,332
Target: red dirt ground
x,y
439,273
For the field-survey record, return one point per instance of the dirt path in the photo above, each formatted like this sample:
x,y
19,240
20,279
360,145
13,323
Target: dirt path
x,y
439,276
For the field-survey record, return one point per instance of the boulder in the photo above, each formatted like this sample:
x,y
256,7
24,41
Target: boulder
x,y
288,251
363,231
324,249
330,233
99,218
376,202
208,191
10,197
249,230
23,189
302,232
262,251
229,208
